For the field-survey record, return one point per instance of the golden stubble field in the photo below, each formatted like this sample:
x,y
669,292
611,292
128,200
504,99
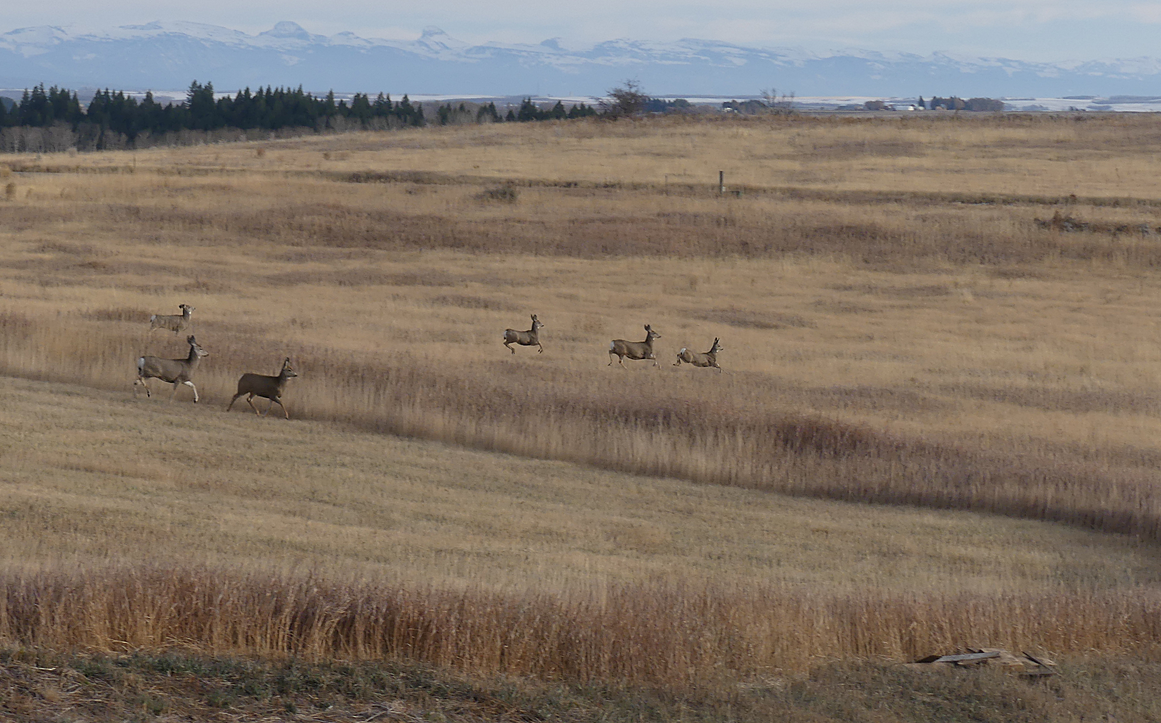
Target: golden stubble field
x,y
937,421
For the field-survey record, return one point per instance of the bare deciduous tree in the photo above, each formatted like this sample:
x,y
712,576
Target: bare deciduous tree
x,y
626,100
775,104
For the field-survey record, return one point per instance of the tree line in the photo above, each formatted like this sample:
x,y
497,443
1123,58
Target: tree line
x,y
54,119
955,103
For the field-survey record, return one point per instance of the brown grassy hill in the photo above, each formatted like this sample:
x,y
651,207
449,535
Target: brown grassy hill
x,y
937,425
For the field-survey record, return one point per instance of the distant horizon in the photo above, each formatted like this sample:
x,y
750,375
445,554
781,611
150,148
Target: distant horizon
x,y
1097,103
167,55
1018,29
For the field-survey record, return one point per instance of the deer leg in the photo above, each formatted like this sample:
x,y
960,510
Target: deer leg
x,y
509,345
233,400
270,406
191,386
541,348
250,401
281,405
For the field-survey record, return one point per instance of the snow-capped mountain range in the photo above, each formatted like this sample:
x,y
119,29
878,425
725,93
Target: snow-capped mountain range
x,y
172,54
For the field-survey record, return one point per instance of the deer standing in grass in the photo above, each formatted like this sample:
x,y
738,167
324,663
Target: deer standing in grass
x,y
259,385
634,349
174,371
176,323
524,338
709,359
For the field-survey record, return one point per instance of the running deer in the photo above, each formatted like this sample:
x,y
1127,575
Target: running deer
x,y
259,385
176,323
524,338
634,349
174,371
709,359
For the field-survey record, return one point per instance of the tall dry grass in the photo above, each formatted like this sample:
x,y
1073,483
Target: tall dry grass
x,y
322,216
1110,156
903,328
109,504
639,425
670,634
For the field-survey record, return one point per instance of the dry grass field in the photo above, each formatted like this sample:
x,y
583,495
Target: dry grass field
x,y
936,427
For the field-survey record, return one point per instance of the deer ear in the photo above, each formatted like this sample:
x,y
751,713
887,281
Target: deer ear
x,y
191,340
287,360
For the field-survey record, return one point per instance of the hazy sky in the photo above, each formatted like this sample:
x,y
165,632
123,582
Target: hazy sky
x,y
1050,30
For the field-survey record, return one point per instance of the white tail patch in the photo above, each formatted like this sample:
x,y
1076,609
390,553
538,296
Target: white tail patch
x,y
612,345
171,371
709,359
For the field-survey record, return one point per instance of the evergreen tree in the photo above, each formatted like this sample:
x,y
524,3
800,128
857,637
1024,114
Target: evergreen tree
x,y
361,108
35,110
22,109
65,106
487,114
408,114
528,111
245,109
152,115
113,119
580,110
383,107
202,109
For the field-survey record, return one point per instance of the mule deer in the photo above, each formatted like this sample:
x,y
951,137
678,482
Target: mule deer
x,y
176,323
524,338
260,385
634,349
174,371
709,359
